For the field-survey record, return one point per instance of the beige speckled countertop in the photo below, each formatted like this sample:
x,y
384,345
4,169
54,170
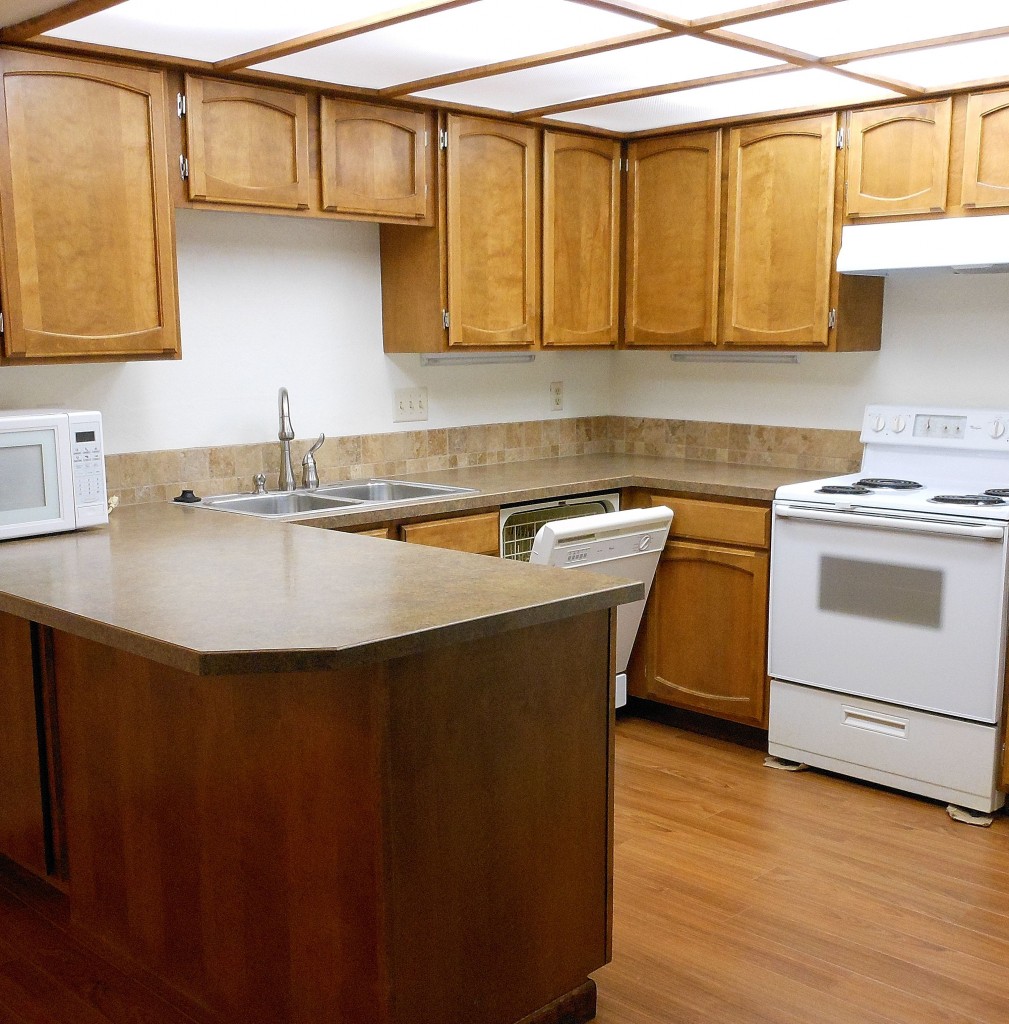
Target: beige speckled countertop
x,y
515,482
210,592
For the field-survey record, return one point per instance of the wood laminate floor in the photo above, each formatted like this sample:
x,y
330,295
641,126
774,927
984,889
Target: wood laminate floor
x,y
742,896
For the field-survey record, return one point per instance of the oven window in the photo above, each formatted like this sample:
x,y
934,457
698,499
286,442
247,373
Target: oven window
x,y
879,590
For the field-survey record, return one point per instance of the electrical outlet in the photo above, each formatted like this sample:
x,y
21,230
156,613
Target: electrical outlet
x,y
409,404
556,396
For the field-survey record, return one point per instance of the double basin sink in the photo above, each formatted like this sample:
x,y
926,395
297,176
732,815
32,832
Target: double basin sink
x,y
354,494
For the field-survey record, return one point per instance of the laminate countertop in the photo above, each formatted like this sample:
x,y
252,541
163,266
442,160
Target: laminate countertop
x,y
210,592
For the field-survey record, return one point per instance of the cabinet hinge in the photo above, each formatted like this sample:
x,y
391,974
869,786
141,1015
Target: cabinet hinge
x,y
840,138
427,138
180,103
444,319
443,138
1,323
832,319
183,167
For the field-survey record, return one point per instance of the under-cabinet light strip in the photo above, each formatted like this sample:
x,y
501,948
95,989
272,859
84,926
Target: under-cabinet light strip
x,y
472,358
734,357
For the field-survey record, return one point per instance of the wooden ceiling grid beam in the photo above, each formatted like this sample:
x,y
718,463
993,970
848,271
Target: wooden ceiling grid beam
x,y
920,44
768,10
420,9
57,18
647,92
525,63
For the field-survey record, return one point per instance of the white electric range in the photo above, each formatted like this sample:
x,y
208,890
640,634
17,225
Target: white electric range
x,y
888,608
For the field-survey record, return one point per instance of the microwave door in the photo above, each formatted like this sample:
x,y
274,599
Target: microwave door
x,y
36,485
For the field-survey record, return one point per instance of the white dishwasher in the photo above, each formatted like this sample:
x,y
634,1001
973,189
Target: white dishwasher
x,y
624,544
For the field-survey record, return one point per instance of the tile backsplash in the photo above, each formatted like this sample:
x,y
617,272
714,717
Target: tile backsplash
x,y
158,476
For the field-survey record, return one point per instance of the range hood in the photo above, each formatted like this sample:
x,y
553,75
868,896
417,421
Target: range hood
x,y
967,245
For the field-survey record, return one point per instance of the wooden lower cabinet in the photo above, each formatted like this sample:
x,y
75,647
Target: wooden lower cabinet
x,y
477,534
705,631
22,827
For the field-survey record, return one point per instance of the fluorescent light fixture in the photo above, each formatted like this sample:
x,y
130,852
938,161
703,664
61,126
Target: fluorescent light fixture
x,y
734,357
475,358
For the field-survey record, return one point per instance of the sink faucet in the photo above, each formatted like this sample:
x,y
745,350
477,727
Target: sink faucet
x,y
286,436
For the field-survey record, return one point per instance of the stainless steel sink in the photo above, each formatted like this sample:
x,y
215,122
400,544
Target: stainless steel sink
x,y
284,503
343,497
390,490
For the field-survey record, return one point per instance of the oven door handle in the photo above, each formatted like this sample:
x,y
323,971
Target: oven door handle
x,y
884,523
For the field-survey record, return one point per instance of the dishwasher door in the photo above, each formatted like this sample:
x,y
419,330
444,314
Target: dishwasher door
x,y
627,545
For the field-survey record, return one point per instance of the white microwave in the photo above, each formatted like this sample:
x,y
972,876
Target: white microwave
x,y
52,472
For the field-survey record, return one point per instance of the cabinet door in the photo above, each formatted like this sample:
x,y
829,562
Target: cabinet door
x,y
581,240
22,829
247,144
493,232
373,160
898,159
780,232
477,534
88,252
673,199
707,631
986,150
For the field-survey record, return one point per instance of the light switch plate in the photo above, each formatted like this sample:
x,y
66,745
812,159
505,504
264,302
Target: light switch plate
x,y
409,404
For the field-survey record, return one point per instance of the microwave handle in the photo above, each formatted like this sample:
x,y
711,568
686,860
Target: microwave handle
x,y
884,523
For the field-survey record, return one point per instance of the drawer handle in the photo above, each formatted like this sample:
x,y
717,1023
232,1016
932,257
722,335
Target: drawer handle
x,y
873,721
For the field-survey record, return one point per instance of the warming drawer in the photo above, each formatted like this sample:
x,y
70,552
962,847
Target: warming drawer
x,y
943,758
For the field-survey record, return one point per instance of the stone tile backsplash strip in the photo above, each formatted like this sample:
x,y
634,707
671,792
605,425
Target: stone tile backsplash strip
x,y
140,477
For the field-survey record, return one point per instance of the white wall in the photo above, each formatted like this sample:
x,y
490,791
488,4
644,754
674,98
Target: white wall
x,y
270,301
945,342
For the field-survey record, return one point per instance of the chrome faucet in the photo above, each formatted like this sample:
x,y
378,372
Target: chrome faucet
x,y
286,436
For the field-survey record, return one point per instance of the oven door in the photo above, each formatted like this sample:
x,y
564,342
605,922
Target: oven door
x,y
906,610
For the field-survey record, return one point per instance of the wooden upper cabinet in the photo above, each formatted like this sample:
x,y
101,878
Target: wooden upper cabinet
x,y
88,251
493,203
898,159
986,150
374,160
673,198
247,144
780,233
581,240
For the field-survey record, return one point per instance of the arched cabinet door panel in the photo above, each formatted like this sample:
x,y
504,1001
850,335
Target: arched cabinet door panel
x,y
986,150
898,159
493,232
581,240
673,208
374,160
708,631
247,144
780,233
88,248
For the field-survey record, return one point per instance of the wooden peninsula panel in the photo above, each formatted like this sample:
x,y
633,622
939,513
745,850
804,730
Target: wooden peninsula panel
x,y
423,839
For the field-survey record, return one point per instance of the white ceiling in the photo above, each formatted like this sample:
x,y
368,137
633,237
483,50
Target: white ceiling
x,y
669,51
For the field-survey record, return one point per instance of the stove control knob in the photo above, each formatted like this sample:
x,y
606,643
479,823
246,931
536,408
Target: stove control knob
x,y
878,424
996,428
899,423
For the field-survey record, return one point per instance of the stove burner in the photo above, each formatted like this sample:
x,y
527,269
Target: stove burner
x,y
843,489
968,499
887,482
998,492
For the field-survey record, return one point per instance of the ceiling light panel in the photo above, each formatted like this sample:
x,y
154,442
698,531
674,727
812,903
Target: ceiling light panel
x,y
212,30
680,59
784,91
855,25
480,33
941,66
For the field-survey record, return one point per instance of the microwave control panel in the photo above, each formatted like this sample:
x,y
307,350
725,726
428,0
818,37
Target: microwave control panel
x,y
88,467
